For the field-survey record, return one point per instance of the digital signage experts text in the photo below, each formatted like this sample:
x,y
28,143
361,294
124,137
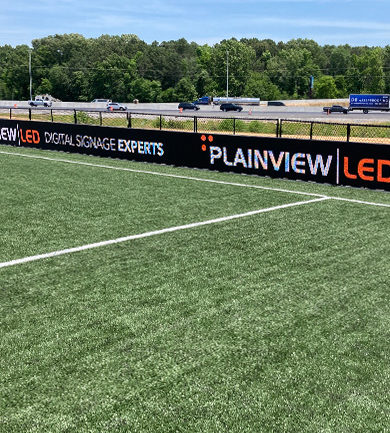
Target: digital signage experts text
x,y
29,136
111,144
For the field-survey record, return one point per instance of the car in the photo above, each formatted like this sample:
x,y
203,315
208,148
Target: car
x,y
204,100
336,109
276,104
187,106
230,107
107,101
114,106
40,103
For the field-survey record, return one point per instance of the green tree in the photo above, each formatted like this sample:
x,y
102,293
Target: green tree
x,y
162,64
127,45
45,87
14,71
317,56
204,57
341,85
168,95
112,78
291,69
205,85
60,81
260,86
79,86
145,90
386,67
239,58
72,67
264,50
185,90
325,88
339,60
366,74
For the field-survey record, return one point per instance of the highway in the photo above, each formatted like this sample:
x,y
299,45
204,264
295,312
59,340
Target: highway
x,y
299,112
293,113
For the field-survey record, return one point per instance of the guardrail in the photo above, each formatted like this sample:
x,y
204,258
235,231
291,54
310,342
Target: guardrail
x,y
251,126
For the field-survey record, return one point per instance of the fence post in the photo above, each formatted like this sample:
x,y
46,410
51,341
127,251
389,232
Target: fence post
x,y
234,126
160,122
195,124
75,117
29,114
10,113
311,130
51,115
129,120
348,132
100,118
280,128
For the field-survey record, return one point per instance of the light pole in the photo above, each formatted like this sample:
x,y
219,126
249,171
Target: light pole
x,y
29,71
227,75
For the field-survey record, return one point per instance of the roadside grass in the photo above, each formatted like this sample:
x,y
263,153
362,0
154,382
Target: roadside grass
x,y
276,322
375,133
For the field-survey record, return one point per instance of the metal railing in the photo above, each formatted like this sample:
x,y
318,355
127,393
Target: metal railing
x,y
251,126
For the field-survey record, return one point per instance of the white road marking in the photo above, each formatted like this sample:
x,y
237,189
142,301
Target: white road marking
x,y
154,233
197,179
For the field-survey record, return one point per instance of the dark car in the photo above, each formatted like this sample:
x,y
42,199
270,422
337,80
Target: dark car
x,y
187,106
230,107
276,104
335,109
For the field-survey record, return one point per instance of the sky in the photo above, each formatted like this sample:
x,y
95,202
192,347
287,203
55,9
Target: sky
x,y
335,22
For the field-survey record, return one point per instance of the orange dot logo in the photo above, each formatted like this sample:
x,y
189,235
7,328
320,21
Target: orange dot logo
x,y
211,138
204,147
203,138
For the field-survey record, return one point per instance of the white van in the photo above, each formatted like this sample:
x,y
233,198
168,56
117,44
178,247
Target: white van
x,y
106,101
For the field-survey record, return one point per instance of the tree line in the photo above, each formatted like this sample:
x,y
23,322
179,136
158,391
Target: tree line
x,y
71,67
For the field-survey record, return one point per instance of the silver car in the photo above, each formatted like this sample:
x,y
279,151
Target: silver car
x,y
116,106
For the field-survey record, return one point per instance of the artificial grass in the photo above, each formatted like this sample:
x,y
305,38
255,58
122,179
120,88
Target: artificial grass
x,y
276,322
53,205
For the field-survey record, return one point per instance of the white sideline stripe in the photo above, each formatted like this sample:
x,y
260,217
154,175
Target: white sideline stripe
x,y
177,176
351,200
154,233
198,179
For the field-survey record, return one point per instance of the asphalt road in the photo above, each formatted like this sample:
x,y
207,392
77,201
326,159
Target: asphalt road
x,y
285,113
262,111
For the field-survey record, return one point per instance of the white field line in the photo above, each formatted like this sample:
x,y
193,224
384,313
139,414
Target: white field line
x,y
197,179
154,173
154,233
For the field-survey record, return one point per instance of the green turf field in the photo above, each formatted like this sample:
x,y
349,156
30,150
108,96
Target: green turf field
x,y
274,320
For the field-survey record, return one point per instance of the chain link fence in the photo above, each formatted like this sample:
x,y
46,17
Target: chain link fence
x,y
299,129
355,133
329,132
242,126
313,130
369,134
